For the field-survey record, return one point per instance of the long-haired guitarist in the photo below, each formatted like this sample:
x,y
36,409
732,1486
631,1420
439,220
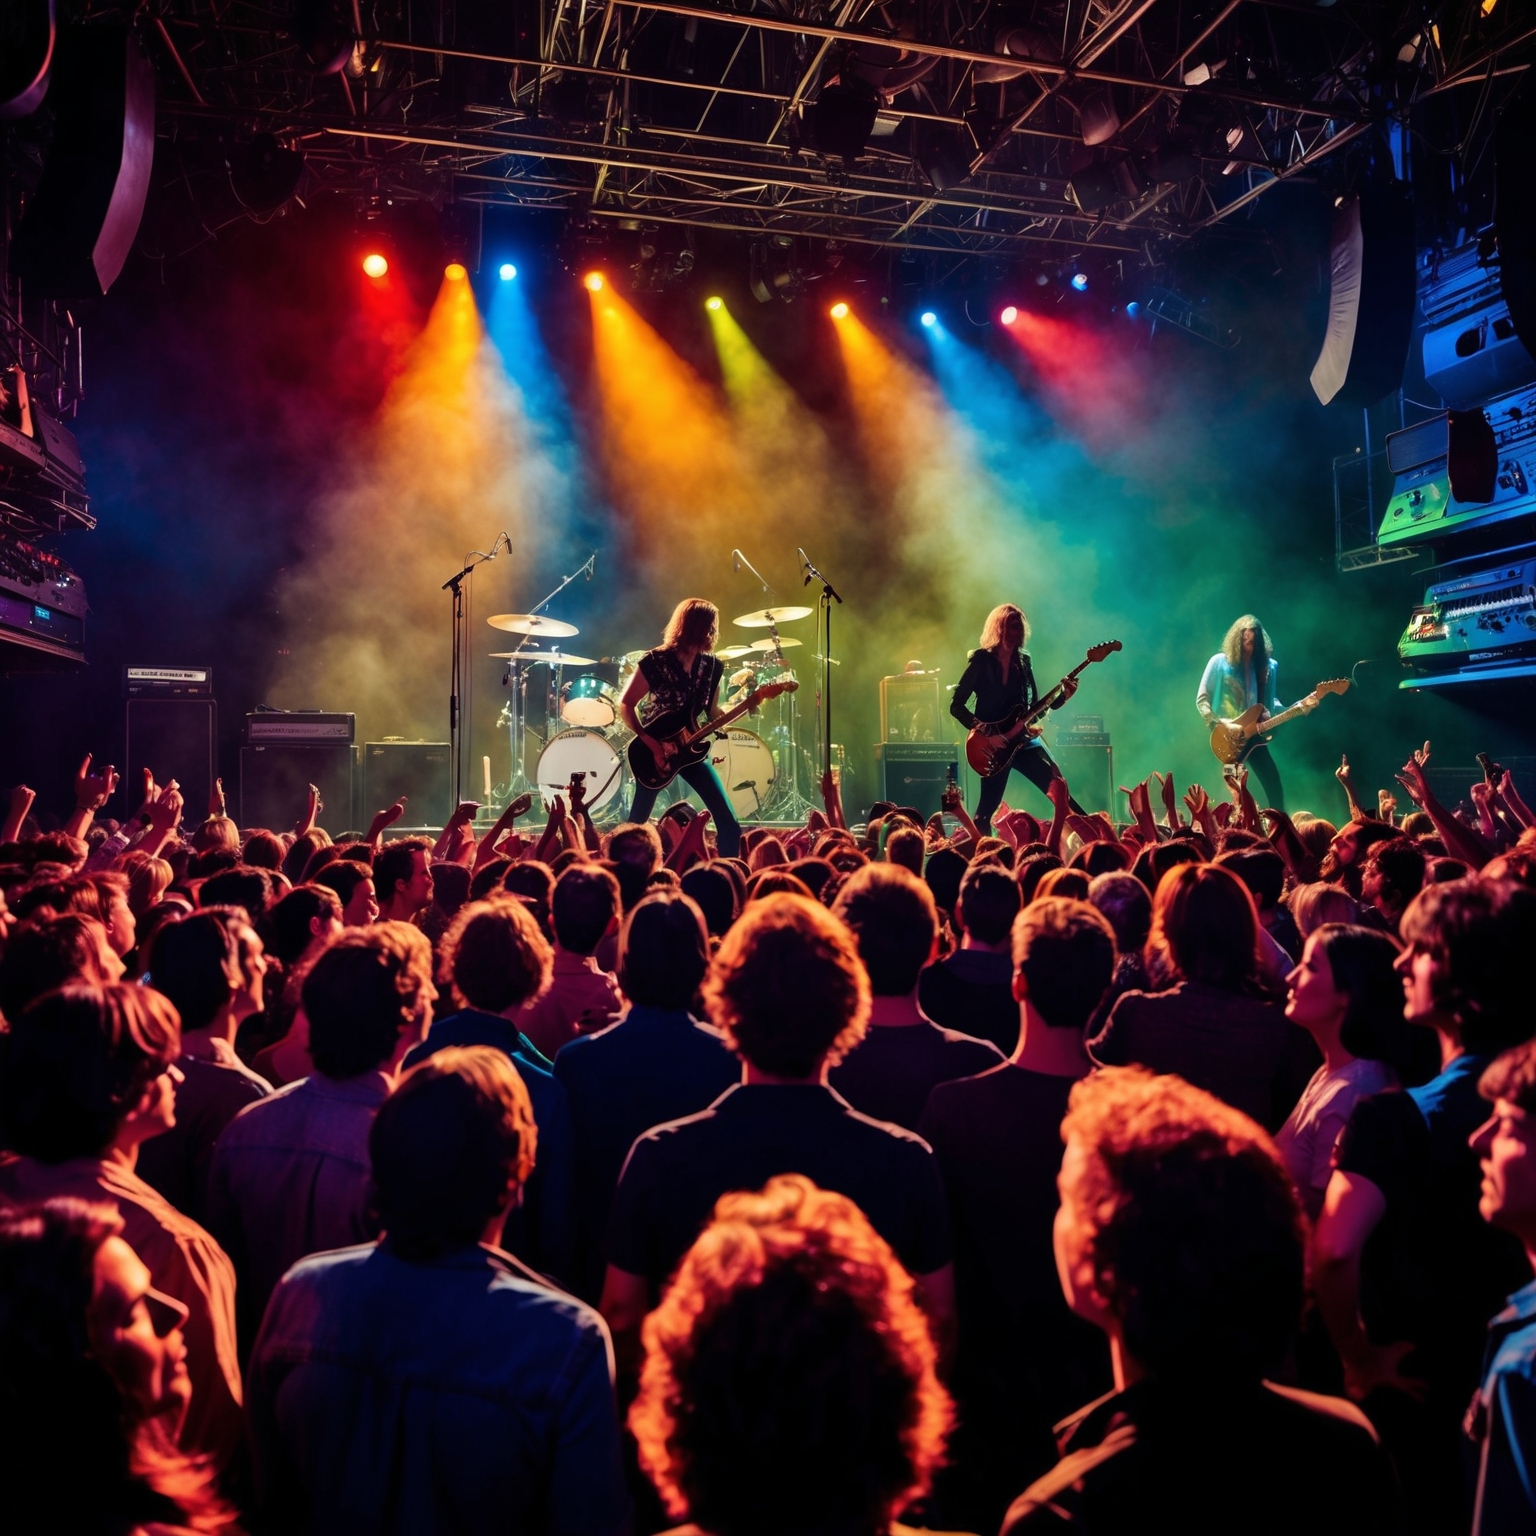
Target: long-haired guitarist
x,y
1001,680
1241,674
682,675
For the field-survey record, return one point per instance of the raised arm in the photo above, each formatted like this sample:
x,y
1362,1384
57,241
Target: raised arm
x,y
1061,806
1357,812
92,791
1461,842
16,813
385,818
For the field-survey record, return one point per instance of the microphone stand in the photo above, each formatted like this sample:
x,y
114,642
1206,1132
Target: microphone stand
x,y
455,585
829,594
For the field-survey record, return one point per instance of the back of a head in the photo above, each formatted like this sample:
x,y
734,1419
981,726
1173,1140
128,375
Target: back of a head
x,y
905,847
1484,934
584,906
531,878
1099,858
49,952
767,853
789,1380
1070,883
76,1063
217,832
635,844
447,1147
1155,862
815,874
663,951
450,887
303,849
340,874
196,963
1127,905
496,955
774,882
894,922
1182,1212
365,987
1316,834
989,900
263,850
1262,870
1313,905
1205,923
289,921
711,886
788,988
945,874
1363,962
244,887
1030,869
1066,952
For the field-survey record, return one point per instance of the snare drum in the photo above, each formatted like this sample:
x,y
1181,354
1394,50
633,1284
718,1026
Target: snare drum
x,y
746,767
589,702
586,753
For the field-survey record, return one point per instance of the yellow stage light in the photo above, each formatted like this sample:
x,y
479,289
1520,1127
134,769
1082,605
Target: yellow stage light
x,y
594,281
839,311
713,303
455,272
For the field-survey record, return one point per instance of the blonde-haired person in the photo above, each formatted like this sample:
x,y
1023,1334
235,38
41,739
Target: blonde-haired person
x,y
1000,679
681,676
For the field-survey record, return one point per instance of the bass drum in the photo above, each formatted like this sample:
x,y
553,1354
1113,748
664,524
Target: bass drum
x,y
586,753
746,767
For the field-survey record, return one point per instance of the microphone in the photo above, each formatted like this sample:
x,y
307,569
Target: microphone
x,y
735,559
806,563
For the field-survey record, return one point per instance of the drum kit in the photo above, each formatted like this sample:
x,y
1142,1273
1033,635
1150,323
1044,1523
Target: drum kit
x,y
584,732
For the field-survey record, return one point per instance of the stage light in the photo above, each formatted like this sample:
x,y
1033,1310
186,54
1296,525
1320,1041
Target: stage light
x,y
594,282
1009,315
507,272
1133,309
375,265
929,318
839,311
455,272
714,303
1080,281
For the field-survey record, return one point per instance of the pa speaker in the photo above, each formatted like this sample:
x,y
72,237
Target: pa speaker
x,y
418,770
1515,211
1370,297
275,780
81,222
176,738
916,773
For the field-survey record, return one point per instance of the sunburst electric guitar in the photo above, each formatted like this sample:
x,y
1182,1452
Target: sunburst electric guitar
x,y
990,744
1232,740
688,739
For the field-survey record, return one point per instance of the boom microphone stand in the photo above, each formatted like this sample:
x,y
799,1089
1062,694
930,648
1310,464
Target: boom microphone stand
x,y
455,585
829,594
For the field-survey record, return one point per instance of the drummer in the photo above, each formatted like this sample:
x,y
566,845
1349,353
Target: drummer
x,y
683,674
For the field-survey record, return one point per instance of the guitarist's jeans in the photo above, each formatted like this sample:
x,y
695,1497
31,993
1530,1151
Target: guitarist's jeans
x,y
702,779
1263,767
1035,763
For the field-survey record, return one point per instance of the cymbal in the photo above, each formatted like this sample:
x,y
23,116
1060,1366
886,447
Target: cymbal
x,y
768,644
554,658
731,652
763,617
633,658
535,624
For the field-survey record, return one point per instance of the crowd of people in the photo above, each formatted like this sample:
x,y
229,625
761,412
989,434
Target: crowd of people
x,y
1063,1176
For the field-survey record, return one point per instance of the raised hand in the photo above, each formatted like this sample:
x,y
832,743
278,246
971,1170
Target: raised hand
x,y
312,808
1170,799
1421,755
1386,806
518,807
1058,793
577,790
93,790
16,815
1413,781
1197,801
1341,773
216,803
385,818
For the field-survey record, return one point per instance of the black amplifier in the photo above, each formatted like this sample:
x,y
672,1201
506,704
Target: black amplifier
x,y
915,773
167,682
315,726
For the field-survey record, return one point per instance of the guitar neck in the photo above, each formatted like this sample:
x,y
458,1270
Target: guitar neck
x,y
1043,703
1282,718
711,726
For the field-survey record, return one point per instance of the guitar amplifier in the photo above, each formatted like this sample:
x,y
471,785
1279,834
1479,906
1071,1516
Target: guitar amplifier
x,y
1087,762
300,725
416,769
915,773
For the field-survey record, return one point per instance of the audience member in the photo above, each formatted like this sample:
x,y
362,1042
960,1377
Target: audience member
x,y
1214,1027
889,1074
289,1174
1179,1236
904,847
789,1380
972,990
1502,1421
1313,905
1069,883
402,879
239,886
263,850
93,1383
711,886
450,890
301,925
497,961
581,998
428,1382
49,952
1262,870
87,1076
1392,876
353,884
997,1138
790,993
657,1064
210,965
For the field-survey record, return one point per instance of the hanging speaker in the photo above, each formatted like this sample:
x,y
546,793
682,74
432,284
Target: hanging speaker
x,y
1370,297
1515,211
81,222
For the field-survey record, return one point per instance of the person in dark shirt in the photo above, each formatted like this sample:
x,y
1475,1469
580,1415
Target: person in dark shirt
x,y
1127,906
658,1063
498,960
1215,1026
889,1074
1000,679
791,996
1180,1236
1024,1360
1406,1272
972,990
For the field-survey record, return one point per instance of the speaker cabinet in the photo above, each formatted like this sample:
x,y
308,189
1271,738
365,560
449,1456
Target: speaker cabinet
x,y
915,773
1089,769
419,770
275,780
176,738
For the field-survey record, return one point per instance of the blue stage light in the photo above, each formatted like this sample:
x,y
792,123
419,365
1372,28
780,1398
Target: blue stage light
x,y
1133,309
929,318
1080,281
508,271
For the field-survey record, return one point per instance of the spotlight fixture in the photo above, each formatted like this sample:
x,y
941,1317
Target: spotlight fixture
x,y
1009,315
714,303
1080,281
594,282
507,272
1133,309
455,272
839,311
375,265
929,318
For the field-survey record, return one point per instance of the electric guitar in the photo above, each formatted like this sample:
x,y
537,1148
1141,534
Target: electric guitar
x,y
1232,740
688,739
981,749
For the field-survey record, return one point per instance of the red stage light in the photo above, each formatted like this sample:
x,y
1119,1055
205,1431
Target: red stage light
x,y
375,265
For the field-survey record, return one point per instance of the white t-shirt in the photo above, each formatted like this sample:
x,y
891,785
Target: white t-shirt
x,y
1312,1130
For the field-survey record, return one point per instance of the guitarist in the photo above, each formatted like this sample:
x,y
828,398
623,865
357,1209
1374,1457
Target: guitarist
x,y
682,673
1241,674
1001,680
